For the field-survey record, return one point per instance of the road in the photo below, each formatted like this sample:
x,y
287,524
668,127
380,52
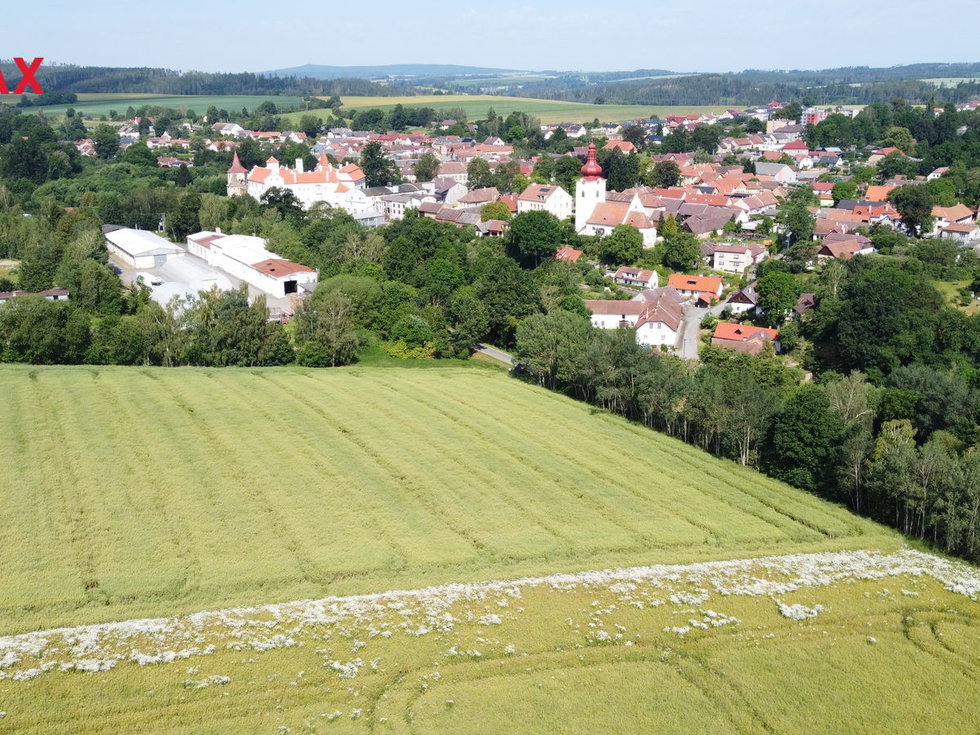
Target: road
x,y
693,316
496,354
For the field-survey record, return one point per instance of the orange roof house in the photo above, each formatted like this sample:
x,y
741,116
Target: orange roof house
x,y
706,287
742,337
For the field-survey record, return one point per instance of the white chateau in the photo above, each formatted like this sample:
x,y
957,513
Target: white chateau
x,y
339,187
595,216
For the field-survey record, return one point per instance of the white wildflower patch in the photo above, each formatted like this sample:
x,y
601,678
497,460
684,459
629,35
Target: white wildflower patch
x,y
797,611
693,589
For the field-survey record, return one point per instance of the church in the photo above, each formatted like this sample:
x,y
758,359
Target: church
x,y
339,187
596,216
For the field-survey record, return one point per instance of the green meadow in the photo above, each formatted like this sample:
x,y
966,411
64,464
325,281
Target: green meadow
x,y
94,106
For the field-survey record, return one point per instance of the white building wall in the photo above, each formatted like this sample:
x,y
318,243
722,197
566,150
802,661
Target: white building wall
x,y
612,321
656,334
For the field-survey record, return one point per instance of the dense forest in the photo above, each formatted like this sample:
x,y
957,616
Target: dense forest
x,y
853,85
94,79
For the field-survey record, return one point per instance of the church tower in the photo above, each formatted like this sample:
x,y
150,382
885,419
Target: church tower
x,y
590,190
237,186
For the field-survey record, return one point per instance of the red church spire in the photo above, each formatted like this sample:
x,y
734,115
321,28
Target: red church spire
x,y
591,169
236,166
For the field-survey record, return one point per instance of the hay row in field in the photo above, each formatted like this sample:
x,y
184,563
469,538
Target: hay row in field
x,y
441,608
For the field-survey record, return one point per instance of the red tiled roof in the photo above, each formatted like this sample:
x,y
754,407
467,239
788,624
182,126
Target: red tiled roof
x,y
704,284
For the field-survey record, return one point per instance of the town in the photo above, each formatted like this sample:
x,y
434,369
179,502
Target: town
x,y
378,403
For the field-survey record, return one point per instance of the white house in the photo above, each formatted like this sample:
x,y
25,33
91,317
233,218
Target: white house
x,y
736,258
628,276
656,315
549,198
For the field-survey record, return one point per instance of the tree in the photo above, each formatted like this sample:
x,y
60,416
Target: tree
x,y
797,220
792,111
426,167
478,174
805,433
283,201
623,245
778,293
554,346
844,190
681,252
535,234
898,137
495,210
636,135
665,174
914,204
508,293
379,170
325,331
183,177
106,140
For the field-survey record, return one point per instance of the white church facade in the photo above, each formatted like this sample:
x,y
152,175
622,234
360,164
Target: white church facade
x,y
597,217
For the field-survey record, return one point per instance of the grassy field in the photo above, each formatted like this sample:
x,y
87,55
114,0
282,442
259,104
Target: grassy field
x,y
847,642
130,494
951,81
93,106
548,111
951,294
162,491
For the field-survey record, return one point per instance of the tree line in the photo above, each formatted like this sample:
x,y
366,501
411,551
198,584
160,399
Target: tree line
x,y
889,426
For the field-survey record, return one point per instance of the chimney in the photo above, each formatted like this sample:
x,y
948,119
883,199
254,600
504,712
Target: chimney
x,y
299,165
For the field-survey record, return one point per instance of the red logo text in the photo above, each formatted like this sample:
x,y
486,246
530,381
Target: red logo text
x,y
27,80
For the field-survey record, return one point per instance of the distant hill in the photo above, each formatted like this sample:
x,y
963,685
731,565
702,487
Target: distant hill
x,y
318,71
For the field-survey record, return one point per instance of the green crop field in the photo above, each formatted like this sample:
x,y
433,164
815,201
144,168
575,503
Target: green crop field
x,y
290,503
548,111
93,106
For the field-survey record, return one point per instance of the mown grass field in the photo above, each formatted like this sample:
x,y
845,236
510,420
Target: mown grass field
x,y
163,491
844,643
134,493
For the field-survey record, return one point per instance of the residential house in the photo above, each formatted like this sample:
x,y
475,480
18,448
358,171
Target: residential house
x,y
844,249
777,172
569,254
545,197
629,276
51,294
744,338
656,315
703,288
732,258
476,198
747,299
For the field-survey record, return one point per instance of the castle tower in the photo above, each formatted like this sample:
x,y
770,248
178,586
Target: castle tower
x,y
590,190
237,186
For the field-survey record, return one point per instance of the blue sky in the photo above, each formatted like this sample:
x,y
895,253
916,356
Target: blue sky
x,y
681,35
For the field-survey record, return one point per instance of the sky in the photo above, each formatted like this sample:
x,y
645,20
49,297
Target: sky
x,y
679,35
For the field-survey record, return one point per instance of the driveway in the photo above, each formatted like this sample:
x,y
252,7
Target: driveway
x,y
496,354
